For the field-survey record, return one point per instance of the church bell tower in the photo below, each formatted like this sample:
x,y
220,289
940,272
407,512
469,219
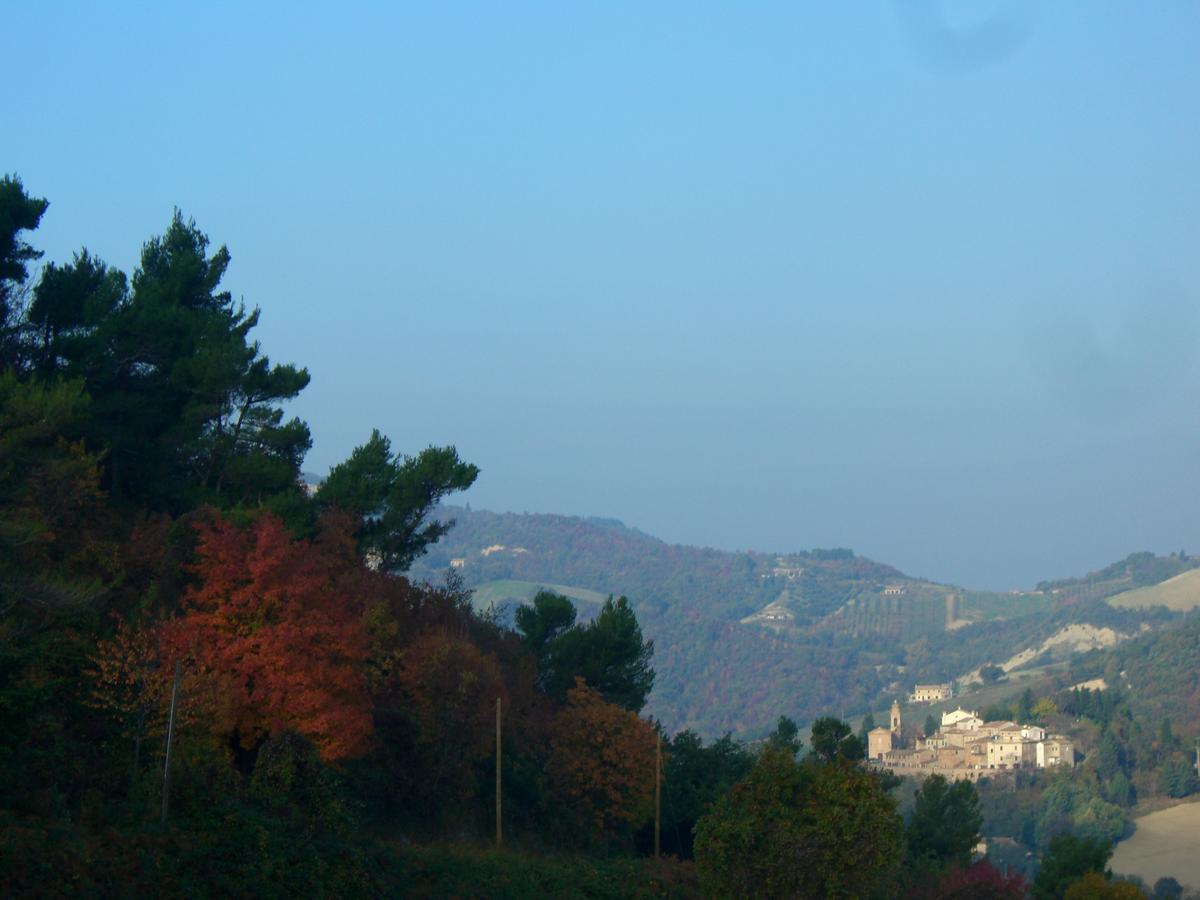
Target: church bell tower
x,y
896,717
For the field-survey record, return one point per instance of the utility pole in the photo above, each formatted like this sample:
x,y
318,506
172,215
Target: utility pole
x,y
498,832
657,792
170,734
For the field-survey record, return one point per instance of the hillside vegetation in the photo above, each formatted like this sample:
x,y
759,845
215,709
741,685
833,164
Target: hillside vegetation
x,y
742,638
1136,570
1159,670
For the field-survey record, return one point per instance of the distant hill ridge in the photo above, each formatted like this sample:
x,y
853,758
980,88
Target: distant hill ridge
x,y
743,637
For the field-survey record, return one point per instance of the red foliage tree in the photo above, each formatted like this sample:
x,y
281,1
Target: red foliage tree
x,y
979,881
275,628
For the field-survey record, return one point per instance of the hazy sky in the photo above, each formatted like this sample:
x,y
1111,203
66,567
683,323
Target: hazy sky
x,y
920,279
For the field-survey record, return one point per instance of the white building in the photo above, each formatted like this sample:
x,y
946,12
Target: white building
x,y
1055,751
961,720
1033,732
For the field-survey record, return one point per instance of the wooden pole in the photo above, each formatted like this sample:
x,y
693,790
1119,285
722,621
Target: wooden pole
x,y
498,830
657,792
170,734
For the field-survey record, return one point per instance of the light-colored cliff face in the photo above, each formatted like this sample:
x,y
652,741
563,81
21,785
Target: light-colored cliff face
x,y
1076,638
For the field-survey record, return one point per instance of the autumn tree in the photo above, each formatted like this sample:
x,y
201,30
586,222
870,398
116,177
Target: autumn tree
x,y
277,635
979,881
601,764
800,829
1094,886
130,685
450,687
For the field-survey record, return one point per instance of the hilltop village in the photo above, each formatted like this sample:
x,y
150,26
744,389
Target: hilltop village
x,y
965,748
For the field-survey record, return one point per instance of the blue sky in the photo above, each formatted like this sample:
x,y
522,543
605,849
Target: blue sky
x,y
916,278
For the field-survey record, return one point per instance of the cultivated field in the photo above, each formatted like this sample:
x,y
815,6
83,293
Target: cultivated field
x,y
1180,593
1165,843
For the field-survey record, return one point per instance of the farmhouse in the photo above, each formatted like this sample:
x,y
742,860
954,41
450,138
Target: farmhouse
x,y
931,693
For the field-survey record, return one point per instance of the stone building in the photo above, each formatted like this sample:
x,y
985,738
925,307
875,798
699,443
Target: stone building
x,y
882,741
931,693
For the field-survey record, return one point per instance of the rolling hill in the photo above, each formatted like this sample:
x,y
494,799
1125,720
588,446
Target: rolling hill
x,y
744,637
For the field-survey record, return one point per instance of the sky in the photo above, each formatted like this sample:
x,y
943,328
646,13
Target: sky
x,y
915,278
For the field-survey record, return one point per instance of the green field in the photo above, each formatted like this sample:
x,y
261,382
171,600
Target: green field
x,y
1181,593
498,593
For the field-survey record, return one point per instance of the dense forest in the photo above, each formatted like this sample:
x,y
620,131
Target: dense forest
x,y
216,681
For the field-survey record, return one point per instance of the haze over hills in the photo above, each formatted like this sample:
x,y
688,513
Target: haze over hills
x,y
742,638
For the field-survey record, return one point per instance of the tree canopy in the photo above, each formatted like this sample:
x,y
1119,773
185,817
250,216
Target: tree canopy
x,y
392,496
608,653
800,829
1069,859
832,739
18,213
944,825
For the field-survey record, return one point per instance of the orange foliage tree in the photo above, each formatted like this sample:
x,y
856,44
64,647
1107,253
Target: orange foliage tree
x,y
274,628
450,688
127,679
602,762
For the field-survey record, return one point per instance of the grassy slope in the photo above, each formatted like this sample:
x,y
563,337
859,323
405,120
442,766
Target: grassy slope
x,y
1163,844
1181,593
